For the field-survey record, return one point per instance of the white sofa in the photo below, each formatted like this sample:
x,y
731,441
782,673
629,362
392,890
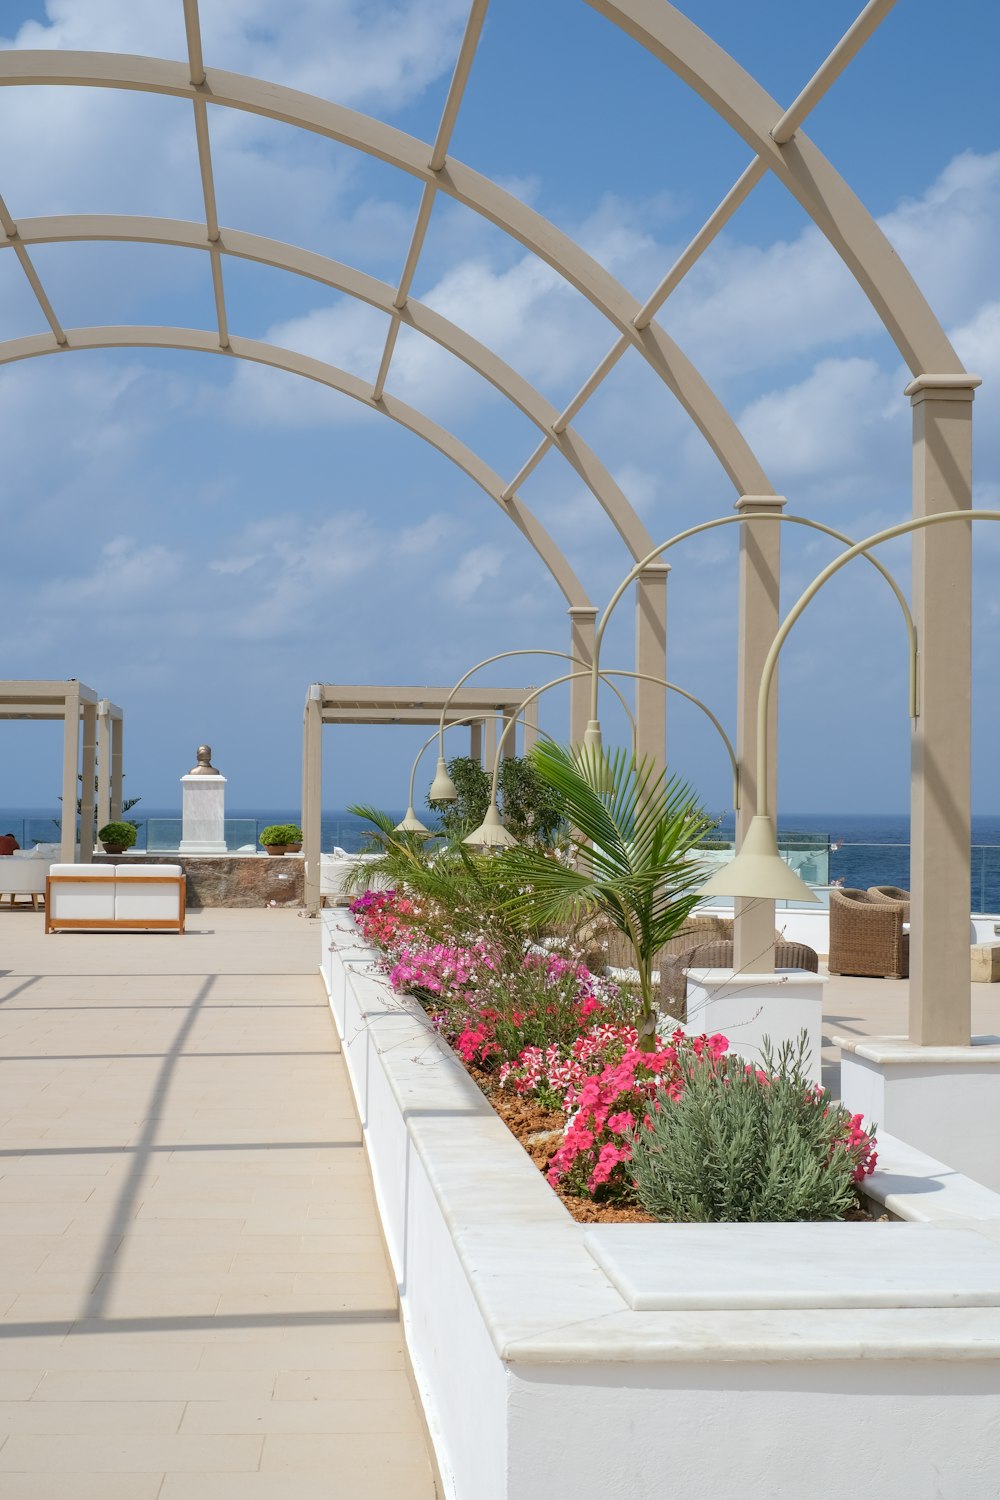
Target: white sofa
x,y
121,897
24,872
333,871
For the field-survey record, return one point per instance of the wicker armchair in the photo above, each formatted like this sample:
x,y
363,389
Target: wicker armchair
x,y
867,937
894,894
720,956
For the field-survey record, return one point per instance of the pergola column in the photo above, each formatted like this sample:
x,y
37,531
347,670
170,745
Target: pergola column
x,y
71,759
651,657
940,776
758,607
583,619
509,712
489,742
103,763
312,797
529,725
476,741
88,769
117,751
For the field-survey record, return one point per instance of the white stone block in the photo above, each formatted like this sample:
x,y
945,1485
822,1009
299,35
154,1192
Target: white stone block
x,y
941,1100
203,815
747,1008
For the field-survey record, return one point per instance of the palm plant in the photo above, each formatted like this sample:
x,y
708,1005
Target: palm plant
x,y
471,891
634,831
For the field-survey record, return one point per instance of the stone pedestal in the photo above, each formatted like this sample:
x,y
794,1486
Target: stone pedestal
x,y
203,812
746,1008
941,1100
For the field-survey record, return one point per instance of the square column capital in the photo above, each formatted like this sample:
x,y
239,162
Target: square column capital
x,y
583,611
760,505
958,386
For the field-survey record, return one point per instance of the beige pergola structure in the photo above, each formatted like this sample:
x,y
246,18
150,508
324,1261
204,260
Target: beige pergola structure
x,y
941,392
92,750
335,703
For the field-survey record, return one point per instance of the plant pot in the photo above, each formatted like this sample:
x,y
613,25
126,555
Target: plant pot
x,y
277,848
294,848
114,848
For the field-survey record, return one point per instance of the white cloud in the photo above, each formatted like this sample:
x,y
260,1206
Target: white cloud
x,y
475,568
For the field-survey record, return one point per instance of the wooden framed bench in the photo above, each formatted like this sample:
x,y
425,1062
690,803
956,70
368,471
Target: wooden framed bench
x,y
115,898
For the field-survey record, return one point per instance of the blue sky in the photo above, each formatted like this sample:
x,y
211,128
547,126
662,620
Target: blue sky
x,y
200,539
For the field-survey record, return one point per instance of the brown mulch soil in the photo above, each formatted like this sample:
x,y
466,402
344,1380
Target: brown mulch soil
x,y
539,1132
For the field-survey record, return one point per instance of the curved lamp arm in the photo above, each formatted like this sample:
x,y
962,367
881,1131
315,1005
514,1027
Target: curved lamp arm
x,y
682,536
502,656
472,718
672,686
918,523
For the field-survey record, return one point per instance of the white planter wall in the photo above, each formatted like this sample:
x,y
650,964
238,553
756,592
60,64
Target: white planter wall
x,y
543,1379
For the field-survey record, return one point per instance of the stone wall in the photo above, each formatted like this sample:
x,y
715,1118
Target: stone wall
x,y
230,879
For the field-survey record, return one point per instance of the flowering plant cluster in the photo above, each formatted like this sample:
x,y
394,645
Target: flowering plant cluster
x,y
550,1030
607,1086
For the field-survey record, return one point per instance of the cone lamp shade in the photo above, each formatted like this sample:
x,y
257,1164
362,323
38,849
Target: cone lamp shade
x,y
759,870
443,789
491,834
411,823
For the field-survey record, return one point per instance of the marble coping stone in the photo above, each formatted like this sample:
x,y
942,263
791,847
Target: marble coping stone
x,y
543,1296
982,1051
764,1266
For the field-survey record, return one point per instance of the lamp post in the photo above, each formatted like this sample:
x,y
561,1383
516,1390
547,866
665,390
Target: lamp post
x,y
410,823
491,832
442,788
593,735
758,870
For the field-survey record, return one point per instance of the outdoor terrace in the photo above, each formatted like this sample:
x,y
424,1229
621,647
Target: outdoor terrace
x,y
194,1298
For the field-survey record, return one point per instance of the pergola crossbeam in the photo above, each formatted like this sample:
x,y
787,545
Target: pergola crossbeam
x,y
192,29
27,266
847,48
826,75
196,68
438,157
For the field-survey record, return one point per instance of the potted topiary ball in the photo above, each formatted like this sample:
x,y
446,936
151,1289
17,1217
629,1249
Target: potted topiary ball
x,y
117,837
281,838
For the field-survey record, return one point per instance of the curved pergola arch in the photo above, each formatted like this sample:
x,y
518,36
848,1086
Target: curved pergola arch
x,y
480,194
800,166
204,341
189,235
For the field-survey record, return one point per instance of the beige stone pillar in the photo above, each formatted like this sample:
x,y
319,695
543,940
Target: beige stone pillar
x,y
529,725
489,742
88,770
940,796
583,619
312,797
651,657
103,763
71,759
509,711
476,741
759,589
117,751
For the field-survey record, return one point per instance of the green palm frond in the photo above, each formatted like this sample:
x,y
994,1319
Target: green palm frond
x,y
635,830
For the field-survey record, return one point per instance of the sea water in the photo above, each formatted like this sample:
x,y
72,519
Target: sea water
x,y
865,849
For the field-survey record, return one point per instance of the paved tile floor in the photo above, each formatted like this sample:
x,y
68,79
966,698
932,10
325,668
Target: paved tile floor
x,y
194,1299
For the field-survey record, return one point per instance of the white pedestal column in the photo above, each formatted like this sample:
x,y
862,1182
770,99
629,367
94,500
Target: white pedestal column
x,y
747,1007
203,812
941,1100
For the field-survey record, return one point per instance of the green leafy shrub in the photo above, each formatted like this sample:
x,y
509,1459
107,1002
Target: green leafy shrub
x,y
121,835
745,1145
281,833
530,808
